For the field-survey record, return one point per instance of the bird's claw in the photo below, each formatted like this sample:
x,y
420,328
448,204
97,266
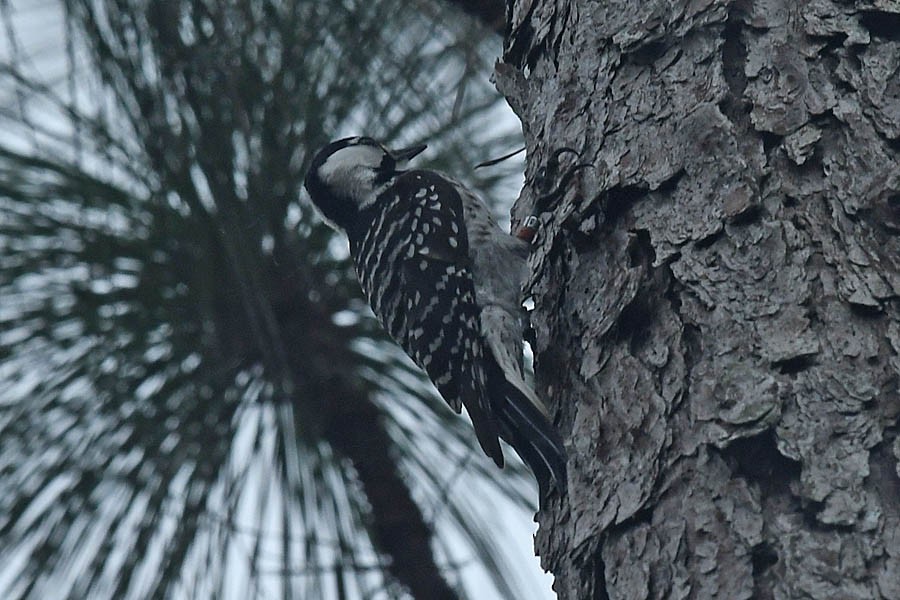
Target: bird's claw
x,y
551,187
547,198
547,174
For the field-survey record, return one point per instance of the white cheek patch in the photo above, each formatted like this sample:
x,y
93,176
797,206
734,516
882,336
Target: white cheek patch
x,y
349,158
350,170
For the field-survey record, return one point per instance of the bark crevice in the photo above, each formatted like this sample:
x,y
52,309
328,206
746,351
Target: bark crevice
x,y
722,287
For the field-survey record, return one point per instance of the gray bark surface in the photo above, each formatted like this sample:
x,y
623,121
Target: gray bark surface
x,y
716,302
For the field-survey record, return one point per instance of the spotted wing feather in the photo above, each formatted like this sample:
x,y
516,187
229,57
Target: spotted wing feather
x,y
427,300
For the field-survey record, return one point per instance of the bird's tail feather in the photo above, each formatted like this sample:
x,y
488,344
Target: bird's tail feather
x,y
534,438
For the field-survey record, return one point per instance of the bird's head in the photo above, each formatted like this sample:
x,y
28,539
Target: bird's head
x,y
347,175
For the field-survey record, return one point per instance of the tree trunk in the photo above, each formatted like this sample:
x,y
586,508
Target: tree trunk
x,y
716,301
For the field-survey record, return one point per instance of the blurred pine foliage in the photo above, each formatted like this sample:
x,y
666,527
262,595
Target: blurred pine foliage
x,y
194,399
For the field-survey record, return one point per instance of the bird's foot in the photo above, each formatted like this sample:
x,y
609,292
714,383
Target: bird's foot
x,y
551,186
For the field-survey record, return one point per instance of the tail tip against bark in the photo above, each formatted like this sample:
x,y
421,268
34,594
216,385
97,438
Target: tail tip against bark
x,y
536,441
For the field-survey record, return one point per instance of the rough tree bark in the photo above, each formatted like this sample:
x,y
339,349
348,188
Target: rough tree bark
x,y
717,318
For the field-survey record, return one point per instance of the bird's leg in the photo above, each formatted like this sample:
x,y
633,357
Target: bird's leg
x,y
549,193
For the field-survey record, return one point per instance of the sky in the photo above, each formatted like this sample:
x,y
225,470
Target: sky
x,y
37,40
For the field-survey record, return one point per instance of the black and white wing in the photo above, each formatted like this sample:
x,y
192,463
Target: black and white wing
x,y
414,265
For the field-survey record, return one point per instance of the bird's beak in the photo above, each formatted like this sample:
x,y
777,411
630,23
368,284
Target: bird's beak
x,y
407,153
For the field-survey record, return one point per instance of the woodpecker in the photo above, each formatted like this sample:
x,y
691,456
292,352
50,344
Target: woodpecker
x,y
445,281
